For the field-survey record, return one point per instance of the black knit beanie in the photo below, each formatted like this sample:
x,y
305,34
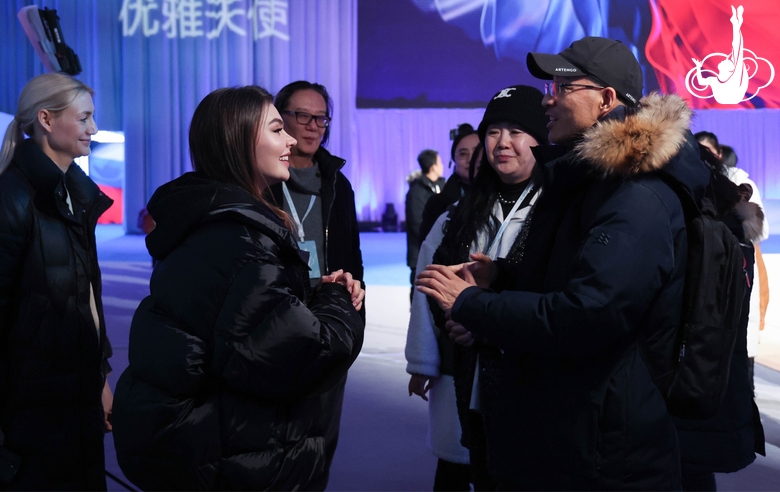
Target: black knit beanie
x,y
519,104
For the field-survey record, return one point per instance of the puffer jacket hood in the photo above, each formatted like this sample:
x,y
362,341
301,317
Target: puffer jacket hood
x,y
183,204
654,138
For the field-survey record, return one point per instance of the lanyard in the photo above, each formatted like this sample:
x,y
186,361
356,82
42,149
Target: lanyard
x,y
492,250
294,213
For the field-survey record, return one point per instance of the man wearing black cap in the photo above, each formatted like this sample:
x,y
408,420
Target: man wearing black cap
x,y
588,328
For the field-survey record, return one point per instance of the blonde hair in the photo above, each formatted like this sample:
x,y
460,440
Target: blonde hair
x,y
50,91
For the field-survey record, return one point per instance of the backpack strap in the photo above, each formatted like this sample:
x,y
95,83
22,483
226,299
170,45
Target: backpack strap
x,y
691,209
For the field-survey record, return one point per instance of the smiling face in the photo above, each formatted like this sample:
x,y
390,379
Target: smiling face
x,y
463,153
572,111
272,148
508,150
309,136
65,135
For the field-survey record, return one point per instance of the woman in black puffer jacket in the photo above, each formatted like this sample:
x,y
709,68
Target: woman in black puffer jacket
x,y
54,399
232,357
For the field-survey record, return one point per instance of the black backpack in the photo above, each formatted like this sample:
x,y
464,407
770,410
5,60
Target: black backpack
x,y
715,283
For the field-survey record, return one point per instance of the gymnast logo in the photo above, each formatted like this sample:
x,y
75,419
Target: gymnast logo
x,y
730,84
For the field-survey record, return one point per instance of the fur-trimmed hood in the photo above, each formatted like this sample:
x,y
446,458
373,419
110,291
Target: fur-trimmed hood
x,y
642,142
752,219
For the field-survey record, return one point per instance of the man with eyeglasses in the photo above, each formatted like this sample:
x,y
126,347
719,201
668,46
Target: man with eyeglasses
x,y
318,197
321,203
587,321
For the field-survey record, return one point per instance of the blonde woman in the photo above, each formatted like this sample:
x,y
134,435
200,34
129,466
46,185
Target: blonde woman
x,y
53,356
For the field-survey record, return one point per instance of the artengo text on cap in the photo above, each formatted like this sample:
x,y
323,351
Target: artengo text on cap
x,y
564,69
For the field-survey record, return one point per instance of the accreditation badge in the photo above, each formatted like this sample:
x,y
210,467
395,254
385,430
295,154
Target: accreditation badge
x,y
314,261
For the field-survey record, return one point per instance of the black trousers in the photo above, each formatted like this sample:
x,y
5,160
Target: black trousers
x,y
698,481
478,452
452,476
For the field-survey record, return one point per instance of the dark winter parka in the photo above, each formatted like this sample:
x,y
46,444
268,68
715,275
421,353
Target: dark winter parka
x,y
421,189
53,356
574,404
230,361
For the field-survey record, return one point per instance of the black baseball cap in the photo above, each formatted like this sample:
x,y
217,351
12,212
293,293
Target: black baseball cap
x,y
606,60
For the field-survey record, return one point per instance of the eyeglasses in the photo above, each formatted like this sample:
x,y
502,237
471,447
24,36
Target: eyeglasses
x,y
555,89
305,118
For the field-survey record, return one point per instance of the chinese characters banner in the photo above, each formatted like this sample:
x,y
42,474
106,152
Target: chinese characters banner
x,y
189,18
177,51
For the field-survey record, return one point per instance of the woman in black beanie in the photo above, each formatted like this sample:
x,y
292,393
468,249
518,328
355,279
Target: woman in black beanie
x,y
488,219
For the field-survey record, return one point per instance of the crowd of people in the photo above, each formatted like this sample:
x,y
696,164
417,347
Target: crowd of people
x,y
549,288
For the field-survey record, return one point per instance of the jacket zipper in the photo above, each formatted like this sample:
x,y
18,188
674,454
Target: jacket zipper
x,y
327,224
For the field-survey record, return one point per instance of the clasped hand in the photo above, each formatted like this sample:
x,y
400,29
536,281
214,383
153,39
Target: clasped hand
x,y
353,286
445,283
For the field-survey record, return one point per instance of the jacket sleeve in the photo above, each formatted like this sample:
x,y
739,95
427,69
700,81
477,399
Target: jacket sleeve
x,y
422,348
267,342
626,258
15,227
356,256
357,268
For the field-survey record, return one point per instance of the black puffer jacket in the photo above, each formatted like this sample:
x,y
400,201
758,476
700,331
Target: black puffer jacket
x,y
53,357
574,405
342,252
230,362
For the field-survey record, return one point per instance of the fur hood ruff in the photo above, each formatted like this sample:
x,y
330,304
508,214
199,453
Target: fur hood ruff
x,y
642,142
752,218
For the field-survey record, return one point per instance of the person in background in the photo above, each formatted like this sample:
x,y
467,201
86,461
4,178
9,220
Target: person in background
x,y
758,303
232,351
320,201
56,402
488,219
760,300
729,441
423,184
464,144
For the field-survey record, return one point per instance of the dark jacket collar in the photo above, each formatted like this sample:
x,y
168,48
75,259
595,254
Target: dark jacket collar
x,y
41,172
329,163
50,183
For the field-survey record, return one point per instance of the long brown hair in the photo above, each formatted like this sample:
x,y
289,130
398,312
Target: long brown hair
x,y
223,133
